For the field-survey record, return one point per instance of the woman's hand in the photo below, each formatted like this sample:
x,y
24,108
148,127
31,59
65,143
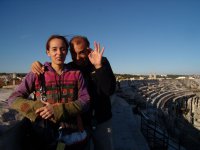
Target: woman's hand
x,y
46,112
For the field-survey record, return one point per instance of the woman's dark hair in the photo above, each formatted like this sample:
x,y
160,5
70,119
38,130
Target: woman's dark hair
x,y
57,37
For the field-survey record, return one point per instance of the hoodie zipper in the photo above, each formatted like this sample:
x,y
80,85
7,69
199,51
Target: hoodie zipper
x,y
59,87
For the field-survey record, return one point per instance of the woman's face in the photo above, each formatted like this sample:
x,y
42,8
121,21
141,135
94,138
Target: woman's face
x,y
57,51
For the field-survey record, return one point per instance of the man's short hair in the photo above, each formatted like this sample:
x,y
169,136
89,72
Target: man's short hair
x,y
80,37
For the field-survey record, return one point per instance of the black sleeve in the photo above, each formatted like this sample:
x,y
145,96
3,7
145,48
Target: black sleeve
x,y
105,78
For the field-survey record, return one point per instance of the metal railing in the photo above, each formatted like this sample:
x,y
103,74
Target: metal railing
x,y
155,136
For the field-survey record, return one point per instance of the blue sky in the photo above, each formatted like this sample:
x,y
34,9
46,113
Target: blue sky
x,y
139,36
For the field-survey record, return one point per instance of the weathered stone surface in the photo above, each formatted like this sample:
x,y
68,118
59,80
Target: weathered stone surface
x,y
174,104
8,117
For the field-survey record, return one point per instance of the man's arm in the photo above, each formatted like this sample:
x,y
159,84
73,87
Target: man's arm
x,y
106,81
104,76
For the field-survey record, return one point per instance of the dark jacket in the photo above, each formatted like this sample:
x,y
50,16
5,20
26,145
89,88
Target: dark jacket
x,y
101,85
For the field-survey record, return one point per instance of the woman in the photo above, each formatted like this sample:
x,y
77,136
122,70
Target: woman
x,y
60,96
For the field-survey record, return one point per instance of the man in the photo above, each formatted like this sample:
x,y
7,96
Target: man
x,y
101,84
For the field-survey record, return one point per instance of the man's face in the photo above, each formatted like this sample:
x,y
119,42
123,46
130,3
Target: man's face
x,y
79,52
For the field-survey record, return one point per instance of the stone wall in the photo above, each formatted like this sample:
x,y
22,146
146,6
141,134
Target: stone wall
x,y
173,103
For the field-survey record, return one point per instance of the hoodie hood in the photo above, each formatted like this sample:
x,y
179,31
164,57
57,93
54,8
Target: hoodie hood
x,y
48,67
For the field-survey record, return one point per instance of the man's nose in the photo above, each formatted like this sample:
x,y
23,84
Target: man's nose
x,y
77,57
59,51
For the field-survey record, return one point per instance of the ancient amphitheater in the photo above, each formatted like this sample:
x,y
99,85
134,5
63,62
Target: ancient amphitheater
x,y
172,105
